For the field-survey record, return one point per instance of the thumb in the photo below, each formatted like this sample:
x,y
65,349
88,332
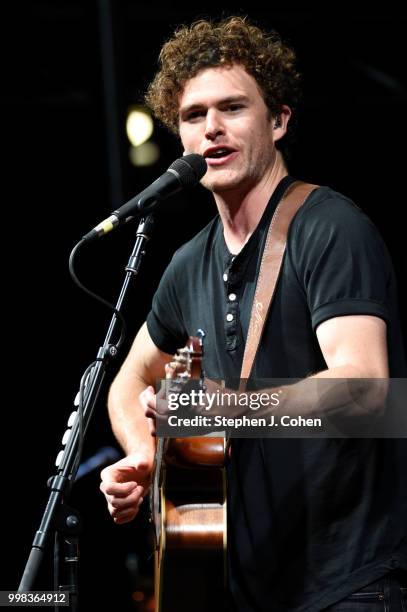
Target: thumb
x,y
124,473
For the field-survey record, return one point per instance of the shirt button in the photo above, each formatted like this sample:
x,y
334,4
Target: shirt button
x,y
232,297
225,277
229,317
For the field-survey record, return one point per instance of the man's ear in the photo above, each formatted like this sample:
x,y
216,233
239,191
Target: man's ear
x,y
280,122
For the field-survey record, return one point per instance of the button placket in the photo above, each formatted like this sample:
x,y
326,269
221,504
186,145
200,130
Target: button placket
x,y
231,315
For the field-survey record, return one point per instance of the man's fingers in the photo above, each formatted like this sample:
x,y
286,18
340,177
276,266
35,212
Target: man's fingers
x,y
151,425
129,502
150,414
118,489
125,515
119,473
147,396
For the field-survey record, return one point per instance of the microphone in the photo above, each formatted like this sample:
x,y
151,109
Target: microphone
x,y
184,172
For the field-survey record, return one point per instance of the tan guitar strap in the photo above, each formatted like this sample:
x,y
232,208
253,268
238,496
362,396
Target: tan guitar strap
x,y
270,267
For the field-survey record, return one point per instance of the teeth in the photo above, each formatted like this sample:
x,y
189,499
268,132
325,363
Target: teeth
x,y
219,153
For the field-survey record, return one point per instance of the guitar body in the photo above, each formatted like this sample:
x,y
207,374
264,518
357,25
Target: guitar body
x,y
189,511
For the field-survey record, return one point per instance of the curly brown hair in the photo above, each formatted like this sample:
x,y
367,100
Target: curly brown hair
x,y
234,40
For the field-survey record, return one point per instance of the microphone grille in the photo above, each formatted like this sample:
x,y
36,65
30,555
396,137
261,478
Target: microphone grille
x,y
190,169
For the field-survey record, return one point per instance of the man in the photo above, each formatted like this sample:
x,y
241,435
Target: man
x,y
311,521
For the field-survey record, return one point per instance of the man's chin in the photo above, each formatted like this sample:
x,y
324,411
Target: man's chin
x,y
221,184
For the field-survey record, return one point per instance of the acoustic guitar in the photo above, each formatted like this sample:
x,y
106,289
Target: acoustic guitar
x,y
188,507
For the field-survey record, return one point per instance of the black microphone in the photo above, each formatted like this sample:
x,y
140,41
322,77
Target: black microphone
x,y
185,172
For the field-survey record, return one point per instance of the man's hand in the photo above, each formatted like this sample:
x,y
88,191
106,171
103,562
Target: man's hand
x,y
125,484
155,406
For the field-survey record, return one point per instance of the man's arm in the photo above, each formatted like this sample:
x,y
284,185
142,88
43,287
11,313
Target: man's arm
x,y
355,351
143,366
354,346
126,482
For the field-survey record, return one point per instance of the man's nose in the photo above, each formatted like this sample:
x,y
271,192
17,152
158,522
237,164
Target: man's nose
x,y
214,125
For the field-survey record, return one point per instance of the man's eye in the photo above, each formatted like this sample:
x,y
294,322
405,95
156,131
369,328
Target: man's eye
x,y
235,107
194,115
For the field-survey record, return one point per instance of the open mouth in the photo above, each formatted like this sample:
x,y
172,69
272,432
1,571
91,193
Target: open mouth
x,y
219,155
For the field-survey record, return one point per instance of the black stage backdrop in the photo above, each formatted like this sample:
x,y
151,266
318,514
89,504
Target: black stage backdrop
x,y
57,186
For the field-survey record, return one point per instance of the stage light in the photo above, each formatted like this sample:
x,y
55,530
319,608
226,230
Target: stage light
x,y
139,126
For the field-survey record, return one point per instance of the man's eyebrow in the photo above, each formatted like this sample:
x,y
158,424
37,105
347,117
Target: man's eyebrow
x,y
221,102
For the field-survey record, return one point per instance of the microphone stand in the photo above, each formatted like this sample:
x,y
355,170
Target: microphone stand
x,y
58,516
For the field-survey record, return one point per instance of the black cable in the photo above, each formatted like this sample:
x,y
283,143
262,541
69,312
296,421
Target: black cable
x,y
97,297
85,375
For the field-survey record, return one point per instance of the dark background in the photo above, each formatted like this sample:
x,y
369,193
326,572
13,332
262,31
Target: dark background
x,y
58,185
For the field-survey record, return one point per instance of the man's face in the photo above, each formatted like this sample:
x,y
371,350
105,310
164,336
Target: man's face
x,y
223,116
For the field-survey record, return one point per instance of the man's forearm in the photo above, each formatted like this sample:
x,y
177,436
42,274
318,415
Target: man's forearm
x,y
341,390
129,424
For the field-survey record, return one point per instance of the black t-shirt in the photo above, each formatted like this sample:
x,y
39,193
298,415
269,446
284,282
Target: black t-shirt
x,y
311,520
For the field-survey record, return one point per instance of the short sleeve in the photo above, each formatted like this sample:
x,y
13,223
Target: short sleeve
x,y
340,259
164,321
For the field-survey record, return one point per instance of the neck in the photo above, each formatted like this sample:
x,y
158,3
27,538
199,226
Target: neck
x,y
241,211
